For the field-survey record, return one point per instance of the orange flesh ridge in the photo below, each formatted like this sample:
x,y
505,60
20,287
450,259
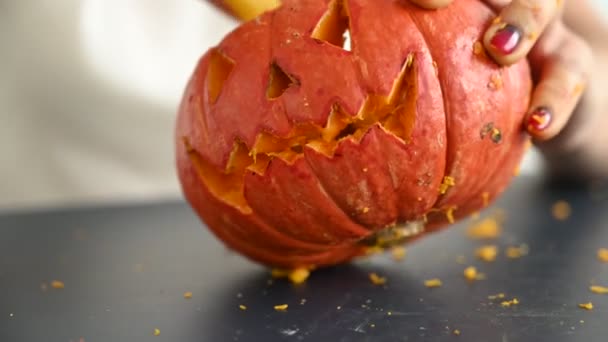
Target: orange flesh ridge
x,y
395,112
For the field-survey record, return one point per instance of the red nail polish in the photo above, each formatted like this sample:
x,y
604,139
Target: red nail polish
x,y
539,120
506,39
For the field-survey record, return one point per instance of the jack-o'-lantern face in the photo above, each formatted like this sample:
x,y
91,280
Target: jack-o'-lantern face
x,y
297,146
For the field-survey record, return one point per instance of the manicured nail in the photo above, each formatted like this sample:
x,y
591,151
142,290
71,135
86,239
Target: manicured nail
x,y
539,120
506,39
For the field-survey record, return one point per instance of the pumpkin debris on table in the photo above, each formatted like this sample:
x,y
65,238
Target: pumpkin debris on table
x,y
188,295
398,253
508,303
488,228
432,283
156,332
281,307
471,274
242,307
598,289
487,253
296,276
57,284
586,306
515,252
602,254
299,275
561,210
376,279
456,332
496,296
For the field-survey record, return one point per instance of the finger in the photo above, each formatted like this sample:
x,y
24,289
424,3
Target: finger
x,y
246,9
562,81
515,31
431,4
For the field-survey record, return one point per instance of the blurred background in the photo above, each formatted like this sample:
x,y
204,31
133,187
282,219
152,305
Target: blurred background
x,y
88,96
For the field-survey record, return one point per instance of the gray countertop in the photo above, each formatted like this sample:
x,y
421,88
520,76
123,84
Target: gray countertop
x,y
126,270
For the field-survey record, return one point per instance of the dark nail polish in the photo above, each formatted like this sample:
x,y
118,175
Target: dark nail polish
x,y
539,120
506,39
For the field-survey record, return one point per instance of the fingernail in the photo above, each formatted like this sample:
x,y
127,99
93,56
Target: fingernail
x,y
539,120
506,39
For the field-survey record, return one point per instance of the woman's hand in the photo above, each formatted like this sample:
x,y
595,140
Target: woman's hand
x,y
560,59
566,114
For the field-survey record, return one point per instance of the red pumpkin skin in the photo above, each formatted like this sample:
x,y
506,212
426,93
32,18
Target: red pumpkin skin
x,y
313,207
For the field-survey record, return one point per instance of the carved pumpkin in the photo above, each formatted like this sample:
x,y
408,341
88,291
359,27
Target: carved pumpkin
x,y
298,149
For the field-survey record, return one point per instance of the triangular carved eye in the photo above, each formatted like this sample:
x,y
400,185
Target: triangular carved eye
x,y
279,82
220,67
333,27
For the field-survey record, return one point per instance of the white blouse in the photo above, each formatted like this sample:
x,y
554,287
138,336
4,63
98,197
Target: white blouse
x,y
88,96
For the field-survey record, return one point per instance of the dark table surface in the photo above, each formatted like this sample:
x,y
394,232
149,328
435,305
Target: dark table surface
x,y
126,270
